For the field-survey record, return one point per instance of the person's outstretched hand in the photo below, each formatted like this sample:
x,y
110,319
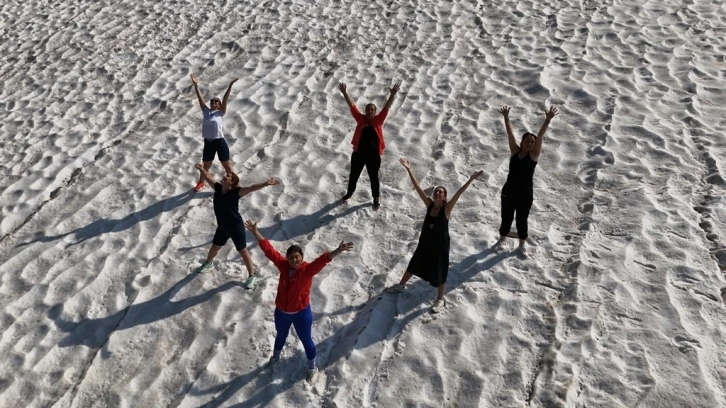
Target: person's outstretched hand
x,y
343,88
549,114
395,88
272,181
233,81
405,163
476,175
345,246
504,111
199,166
252,226
195,80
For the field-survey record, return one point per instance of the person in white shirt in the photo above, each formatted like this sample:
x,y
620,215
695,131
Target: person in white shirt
x,y
214,143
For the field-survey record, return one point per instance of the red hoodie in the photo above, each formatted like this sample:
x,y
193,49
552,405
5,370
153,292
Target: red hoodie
x,y
377,123
293,292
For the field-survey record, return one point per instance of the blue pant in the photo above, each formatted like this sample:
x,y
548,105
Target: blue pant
x,y
303,322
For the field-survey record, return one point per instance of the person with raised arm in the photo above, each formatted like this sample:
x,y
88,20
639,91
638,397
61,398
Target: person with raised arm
x,y
293,294
229,221
368,143
518,191
214,142
430,261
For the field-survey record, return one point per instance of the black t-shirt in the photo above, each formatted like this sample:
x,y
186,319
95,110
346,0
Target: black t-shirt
x,y
226,205
368,143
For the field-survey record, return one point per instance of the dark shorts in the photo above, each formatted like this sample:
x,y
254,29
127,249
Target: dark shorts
x,y
215,147
237,233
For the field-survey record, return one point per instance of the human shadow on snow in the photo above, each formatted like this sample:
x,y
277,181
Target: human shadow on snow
x,y
348,338
93,333
304,224
105,225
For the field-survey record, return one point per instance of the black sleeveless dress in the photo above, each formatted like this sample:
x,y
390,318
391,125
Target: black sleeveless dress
x,y
430,261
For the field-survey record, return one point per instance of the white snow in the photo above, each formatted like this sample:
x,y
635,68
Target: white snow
x,y
618,305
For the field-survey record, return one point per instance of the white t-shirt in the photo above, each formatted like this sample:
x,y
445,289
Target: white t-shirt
x,y
212,124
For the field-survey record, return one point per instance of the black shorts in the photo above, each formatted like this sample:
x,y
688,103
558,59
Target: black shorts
x,y
216,146
236,232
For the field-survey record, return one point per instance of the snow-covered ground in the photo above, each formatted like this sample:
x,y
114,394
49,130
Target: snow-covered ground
x,y
618,305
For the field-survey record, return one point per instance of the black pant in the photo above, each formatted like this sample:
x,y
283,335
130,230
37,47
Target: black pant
x,y
519,201
372,163
216,146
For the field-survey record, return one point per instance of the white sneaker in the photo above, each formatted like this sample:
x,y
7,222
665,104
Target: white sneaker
x,y
311,375
397,288
522,250
438,305
498,246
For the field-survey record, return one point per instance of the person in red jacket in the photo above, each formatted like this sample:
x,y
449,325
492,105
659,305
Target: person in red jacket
x,y
368,143
293,293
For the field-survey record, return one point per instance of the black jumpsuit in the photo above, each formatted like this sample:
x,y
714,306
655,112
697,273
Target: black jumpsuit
x,y
518,194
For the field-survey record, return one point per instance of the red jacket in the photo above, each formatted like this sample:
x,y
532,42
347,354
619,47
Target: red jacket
x,y
293,292
362,122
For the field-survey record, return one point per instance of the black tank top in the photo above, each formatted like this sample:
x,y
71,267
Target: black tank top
x,y
368,143
521,171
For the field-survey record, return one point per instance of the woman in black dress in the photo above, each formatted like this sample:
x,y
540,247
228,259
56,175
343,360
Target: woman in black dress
x,y
518,193
430,261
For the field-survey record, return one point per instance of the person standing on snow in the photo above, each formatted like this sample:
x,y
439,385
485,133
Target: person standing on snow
x,y
367,143
293,294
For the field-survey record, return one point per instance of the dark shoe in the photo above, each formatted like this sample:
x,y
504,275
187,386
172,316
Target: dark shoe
x,y
376,203
346,197
397,288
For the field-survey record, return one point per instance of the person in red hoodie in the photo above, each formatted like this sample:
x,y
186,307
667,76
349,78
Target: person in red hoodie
x,y
293,293
368,143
